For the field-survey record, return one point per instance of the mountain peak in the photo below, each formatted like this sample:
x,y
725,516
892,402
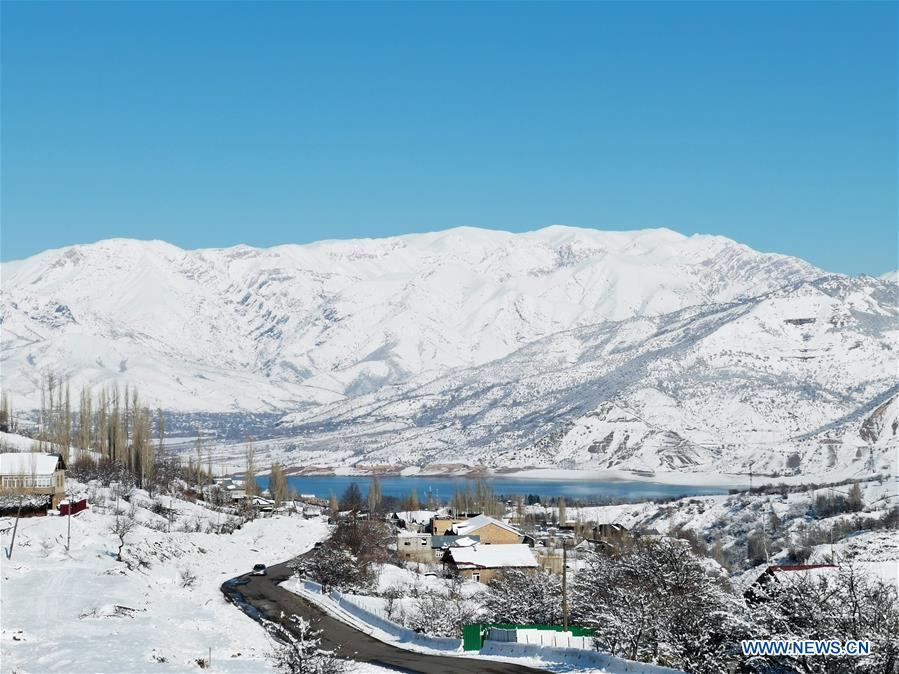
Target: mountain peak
x,y
300,324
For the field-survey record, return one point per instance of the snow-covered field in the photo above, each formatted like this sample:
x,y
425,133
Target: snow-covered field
x,y
82,611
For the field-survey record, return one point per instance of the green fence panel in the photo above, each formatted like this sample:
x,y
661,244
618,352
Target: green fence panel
x,y
472,637
473,634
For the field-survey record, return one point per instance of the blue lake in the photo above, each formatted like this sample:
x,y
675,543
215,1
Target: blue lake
x,y
442,488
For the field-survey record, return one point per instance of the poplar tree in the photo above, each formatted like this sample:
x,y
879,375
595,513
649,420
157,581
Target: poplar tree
x,y
333,507
250,486
374,494
85,420
277,484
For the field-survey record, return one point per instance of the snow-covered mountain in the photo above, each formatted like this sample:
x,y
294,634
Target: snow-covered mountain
x,y
561,347
276,329
802,379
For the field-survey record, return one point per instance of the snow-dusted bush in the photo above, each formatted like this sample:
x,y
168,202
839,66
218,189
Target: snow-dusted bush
x,y
391,596
658,602
187,578
520,598
845,605
442,615
297,649
335,568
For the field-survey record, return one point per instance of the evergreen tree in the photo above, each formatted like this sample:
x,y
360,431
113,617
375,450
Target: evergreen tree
x,y
856,502
352,498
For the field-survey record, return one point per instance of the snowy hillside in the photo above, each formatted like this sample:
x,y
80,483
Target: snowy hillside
x,y
798,380
60,607
281,328
563,347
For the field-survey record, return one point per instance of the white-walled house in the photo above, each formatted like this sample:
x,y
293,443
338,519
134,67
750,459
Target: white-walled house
x,y
33,473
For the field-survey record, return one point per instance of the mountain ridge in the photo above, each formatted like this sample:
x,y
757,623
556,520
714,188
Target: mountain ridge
x,y
244,328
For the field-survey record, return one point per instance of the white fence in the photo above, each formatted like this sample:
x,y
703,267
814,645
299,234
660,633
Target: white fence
x,y
379,620
575,657
539,638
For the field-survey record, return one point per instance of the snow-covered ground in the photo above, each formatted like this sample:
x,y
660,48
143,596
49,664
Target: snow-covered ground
x,y
731,518
82,611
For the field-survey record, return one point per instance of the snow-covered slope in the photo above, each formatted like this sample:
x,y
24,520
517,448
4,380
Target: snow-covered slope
x,y
82,611
799,379
276,329
565,347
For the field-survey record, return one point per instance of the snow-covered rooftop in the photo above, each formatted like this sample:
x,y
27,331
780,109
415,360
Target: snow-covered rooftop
x,y
28,463
475,523
417,516
405,533
493,556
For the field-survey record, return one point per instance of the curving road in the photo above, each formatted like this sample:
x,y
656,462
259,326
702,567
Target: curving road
x,y
263,597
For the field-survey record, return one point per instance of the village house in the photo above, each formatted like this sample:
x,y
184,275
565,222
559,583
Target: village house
x,y
415,547
424,548
413,520
439,543
549,559
33,474
229,488
311,510
489,530
441,524
482,563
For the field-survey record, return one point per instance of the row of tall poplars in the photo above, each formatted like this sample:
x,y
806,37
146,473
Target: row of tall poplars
x,y
110,421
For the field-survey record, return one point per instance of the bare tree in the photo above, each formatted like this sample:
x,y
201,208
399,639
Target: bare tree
x,y
250,472
374,494
123,525
277,484
333,507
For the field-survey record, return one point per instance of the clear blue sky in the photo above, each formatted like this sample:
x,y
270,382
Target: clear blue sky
x,y
210,124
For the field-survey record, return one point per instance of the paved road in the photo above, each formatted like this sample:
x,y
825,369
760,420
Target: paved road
x,y
262,597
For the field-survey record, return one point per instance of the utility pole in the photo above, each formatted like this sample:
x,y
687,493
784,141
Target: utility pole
x,y
565,585
14,529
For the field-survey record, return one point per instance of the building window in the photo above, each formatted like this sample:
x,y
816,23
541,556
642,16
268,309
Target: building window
x,y
476,577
